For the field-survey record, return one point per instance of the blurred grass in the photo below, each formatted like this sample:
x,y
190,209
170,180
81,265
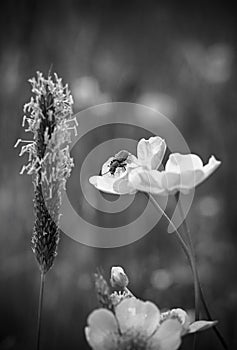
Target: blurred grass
x,y
180,59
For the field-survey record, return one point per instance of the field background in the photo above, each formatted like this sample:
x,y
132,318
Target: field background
x,y
178,57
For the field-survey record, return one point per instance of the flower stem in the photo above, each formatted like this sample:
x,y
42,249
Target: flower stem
x,y
41,295
187,253
190,243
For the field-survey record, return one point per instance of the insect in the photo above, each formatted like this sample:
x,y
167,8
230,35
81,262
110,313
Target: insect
x,y
119,161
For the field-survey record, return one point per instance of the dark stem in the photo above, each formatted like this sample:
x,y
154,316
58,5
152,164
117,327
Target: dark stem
x,y
190,244
187,253
41,295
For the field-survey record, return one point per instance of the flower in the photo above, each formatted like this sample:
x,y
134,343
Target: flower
x,y
182,173
118,281
137,325
187,326
118,278
149,156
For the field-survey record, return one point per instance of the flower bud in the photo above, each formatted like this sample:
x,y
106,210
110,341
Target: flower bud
x,y
118,278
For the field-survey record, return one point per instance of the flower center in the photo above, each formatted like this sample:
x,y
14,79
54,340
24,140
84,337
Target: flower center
x,y
132,341
117,166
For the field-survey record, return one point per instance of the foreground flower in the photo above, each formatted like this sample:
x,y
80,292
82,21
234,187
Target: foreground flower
x,y
183,172
115,171
139,325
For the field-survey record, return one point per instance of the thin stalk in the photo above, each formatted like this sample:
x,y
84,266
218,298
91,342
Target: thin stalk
x,y
41,295
187,253
190,243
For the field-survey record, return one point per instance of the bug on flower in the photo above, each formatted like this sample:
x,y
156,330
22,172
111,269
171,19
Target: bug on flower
x,y
119,161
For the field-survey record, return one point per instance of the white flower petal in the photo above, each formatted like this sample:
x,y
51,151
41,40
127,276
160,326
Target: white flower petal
x,y
182,315
168,336
211,166
151,152
184,172
182,182
150,181
200,326
123,186
118,277
178,163
104,183
137,315
165,182
132,162
102,330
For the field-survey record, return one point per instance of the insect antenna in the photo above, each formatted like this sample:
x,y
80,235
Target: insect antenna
x,y
104,173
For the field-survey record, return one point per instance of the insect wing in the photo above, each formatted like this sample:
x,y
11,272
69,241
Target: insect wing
x,y
122,155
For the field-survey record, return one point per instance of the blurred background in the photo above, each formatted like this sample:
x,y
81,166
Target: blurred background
x,y
176,57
